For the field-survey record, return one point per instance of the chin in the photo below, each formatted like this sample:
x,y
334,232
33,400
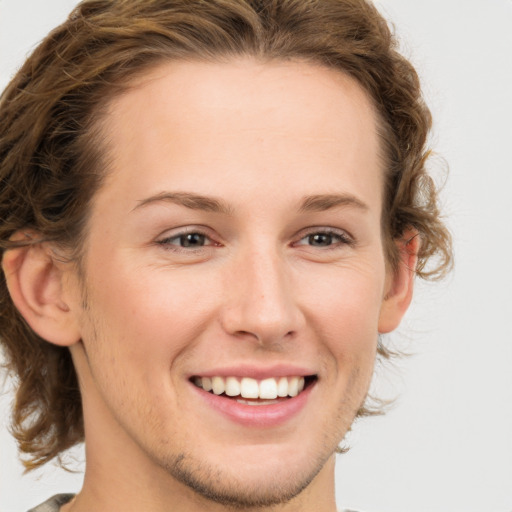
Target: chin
x,y
244,487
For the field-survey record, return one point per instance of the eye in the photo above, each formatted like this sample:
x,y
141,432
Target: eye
x,y
320,239
189,240
326,238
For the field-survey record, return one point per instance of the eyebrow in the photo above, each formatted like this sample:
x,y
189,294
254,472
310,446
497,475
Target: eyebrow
x,y
188,200
314,203
323,202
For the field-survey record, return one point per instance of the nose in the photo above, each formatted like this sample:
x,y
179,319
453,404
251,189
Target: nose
x,y
261,303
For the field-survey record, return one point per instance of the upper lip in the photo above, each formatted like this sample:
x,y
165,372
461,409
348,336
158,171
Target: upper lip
x,y
256,372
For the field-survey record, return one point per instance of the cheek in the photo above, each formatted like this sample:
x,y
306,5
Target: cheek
x,y
348,304
345,316
151,318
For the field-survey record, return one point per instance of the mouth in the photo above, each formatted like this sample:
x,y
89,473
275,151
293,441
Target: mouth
x,y
249,391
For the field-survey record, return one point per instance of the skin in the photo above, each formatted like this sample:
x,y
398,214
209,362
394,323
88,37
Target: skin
x,y
259,139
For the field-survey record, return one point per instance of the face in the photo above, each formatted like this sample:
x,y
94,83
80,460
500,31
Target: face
x,y
234,245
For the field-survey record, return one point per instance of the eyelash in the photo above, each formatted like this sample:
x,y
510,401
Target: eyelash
x,y
167,244
337,238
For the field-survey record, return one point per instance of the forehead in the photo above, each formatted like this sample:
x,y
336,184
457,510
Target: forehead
x,y
244,122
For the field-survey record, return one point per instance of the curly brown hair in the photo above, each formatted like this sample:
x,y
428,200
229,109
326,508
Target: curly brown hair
x,y
51,160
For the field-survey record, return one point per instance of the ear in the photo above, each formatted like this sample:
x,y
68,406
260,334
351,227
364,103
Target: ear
x,y
35,281
400,283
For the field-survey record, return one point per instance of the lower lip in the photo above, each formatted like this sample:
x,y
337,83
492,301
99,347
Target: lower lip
x,y
261,416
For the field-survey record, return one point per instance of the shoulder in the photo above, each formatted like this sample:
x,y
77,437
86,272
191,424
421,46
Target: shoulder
x,y
53,504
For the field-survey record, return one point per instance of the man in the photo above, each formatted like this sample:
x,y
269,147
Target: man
x,y
210,212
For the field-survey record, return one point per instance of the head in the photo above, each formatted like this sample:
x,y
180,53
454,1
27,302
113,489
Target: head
x,y
62,125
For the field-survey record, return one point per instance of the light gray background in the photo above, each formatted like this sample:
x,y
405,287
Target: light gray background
x,y
447,445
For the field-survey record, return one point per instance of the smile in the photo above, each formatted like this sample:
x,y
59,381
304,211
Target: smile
x,y
256,392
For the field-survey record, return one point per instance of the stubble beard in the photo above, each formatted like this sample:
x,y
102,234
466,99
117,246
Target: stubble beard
x,y
215,486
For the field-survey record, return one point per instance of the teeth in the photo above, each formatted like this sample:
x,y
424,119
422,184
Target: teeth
x,y
282,387
249,388
256,402
232,386
267,389
293,386
218,385
206,384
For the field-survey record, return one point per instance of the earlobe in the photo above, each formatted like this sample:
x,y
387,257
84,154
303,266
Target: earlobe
x,y
35,282
401,283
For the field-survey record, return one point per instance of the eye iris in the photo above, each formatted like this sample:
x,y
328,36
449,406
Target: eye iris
x,y
320,239
192,240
